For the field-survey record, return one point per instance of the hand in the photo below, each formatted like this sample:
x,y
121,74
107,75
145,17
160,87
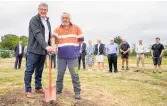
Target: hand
x,y
124,52
49,49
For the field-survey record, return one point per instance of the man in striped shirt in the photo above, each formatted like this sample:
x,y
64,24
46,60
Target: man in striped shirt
x,y
68,37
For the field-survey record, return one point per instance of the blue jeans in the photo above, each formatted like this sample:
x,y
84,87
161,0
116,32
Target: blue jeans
x,y
35,62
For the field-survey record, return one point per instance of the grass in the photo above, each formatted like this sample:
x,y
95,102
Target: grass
x,y
100,88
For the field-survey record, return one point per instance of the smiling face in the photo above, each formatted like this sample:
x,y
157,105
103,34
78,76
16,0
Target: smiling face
x,y
43,10
65,18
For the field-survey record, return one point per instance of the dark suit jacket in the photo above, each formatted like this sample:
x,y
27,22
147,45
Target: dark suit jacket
x,y
17,50
36,42
101,49
83,53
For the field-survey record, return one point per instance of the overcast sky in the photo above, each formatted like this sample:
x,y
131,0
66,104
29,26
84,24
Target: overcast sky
x,y
98,20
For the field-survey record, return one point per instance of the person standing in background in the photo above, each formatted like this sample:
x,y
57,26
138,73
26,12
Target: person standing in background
x,y
19,50
157,53
82,55
112,51
99,52
140,50
90,55
124,49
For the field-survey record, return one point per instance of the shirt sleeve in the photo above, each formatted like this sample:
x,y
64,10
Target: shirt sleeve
x,y
128,46
152,47
163,47
80,34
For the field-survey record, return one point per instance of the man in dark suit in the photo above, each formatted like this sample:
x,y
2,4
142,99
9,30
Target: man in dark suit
x,y
38,47
82,55
99,52
19,50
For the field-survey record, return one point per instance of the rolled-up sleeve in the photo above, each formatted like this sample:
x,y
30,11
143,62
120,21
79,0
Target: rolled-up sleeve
x,y
37,33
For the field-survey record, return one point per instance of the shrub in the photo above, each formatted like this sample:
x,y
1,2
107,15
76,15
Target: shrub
x,y
4,54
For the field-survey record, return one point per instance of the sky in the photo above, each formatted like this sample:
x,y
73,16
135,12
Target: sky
x,y
97,19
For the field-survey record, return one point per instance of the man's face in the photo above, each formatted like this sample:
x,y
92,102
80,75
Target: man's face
x,y
112,41
157,40
123,41
65,19
140,42
98,41
90,42
43,10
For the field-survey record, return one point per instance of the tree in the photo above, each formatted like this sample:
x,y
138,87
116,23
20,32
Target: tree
x,y
10,41
24,40
118,40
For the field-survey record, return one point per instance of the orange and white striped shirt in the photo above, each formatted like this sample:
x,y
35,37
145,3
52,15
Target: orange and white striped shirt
x,y
68,40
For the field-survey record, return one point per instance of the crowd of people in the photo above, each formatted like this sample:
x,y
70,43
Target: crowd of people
x,y
71,51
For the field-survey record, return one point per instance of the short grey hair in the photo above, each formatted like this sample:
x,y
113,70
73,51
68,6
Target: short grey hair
x,y
43,4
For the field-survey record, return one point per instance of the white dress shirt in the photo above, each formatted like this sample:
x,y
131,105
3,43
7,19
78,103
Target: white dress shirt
x,y
20,49
140,49
44,21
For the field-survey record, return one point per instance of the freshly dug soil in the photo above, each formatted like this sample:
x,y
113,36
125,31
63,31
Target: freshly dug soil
x,y
17,98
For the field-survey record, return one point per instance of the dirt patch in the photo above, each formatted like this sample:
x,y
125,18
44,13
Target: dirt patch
x,y
18,98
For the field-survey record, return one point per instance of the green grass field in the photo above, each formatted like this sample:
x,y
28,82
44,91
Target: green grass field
x,y
126,88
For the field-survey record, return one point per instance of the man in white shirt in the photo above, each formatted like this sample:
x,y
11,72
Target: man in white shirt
x,y
140,50
19,49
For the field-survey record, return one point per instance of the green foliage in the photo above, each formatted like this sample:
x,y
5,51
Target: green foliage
x,y
24,40
5,54
10,41
118,40
165,53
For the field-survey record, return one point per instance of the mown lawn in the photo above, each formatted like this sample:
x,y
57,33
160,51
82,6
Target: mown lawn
x,y
126,88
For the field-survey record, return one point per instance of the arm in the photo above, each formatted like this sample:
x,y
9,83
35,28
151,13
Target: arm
x,y
162,51
80,35
106,49
37,33
117,49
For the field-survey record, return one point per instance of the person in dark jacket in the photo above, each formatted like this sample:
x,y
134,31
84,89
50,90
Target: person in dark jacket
x,y
38,47
99,52
19,50
82,55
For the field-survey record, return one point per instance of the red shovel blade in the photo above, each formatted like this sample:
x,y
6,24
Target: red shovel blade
x,y
50,94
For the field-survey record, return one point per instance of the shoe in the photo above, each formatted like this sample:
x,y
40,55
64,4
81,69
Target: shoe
x,y
127,68
115,71
77,96
59,92
29,95
154,71
40,91
122,67
136,71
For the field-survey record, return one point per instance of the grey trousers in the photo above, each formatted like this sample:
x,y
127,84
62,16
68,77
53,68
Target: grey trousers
x,y
73,68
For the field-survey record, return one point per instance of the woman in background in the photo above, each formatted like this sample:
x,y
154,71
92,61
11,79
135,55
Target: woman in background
x,y
90,55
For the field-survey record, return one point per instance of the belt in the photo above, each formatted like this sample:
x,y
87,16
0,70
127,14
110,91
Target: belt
x,y
112,54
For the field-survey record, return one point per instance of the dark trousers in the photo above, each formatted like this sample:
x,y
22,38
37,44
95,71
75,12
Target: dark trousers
x,y
18,61
35,62
112,60
53,57
81,57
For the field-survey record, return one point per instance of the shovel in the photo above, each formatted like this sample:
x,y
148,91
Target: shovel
x,y
50,92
